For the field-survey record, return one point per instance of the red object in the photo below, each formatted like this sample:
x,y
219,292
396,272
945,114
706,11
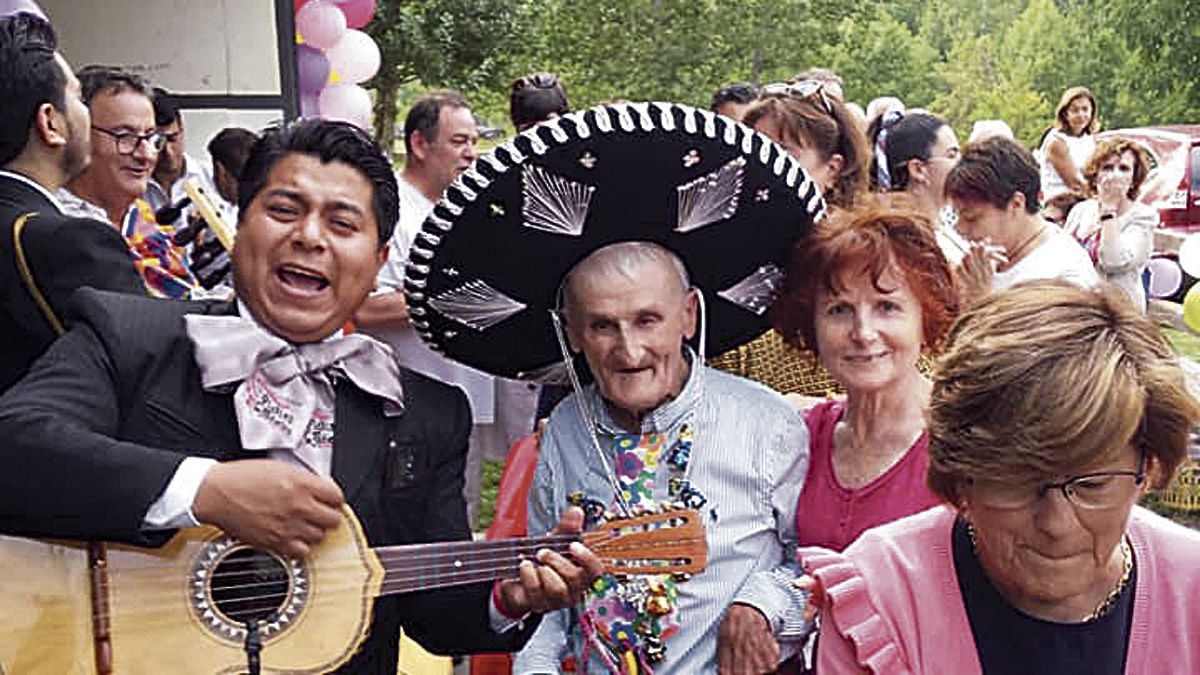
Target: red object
x,y
297,4
499,602
512,508
358,12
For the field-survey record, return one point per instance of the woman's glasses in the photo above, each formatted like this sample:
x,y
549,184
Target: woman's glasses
x,y
1091,491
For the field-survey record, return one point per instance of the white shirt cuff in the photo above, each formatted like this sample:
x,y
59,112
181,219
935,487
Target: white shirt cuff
x,y
174,506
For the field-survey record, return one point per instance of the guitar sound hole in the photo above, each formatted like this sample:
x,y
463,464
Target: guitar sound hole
x,y
249,585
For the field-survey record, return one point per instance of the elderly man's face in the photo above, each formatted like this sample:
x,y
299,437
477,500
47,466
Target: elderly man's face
x,y
632,334
306,254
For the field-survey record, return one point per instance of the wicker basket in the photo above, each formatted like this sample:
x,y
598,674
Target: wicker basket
x,y
1183,494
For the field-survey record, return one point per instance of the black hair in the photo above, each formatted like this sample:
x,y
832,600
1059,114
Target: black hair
x,y
328,141
994,170
96,79
536,98
230,148
423,116
905,136
30,75
166,111
738,92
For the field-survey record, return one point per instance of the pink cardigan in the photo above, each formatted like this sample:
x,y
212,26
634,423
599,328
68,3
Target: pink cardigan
x,y
893,605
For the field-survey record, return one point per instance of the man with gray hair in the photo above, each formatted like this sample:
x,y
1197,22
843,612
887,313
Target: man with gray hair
x,y
630,311
617,246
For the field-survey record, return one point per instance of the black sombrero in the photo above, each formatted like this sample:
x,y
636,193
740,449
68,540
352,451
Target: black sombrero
x,y
486,267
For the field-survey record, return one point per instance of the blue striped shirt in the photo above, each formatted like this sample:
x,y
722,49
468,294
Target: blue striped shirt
x,y
750,459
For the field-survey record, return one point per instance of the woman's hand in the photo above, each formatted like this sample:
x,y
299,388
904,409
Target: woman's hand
x,y
1111,192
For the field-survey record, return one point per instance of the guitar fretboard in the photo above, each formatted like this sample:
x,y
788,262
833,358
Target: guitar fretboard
x,y
416,567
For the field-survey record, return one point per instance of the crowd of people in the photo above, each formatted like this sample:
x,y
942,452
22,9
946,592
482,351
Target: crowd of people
x,y
909,388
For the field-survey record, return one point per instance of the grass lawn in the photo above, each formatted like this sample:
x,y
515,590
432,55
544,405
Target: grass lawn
x,y
1186,344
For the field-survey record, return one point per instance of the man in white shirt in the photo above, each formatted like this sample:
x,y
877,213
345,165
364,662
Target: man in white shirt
x,y
439,139
175,166
994,188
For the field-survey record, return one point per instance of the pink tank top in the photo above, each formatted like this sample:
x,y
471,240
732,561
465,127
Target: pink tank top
x,y
831,515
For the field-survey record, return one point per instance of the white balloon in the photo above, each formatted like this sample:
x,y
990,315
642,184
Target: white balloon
x,y
1165,277
347,102
354,57
1189,255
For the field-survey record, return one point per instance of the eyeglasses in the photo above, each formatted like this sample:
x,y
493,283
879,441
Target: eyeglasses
x,y
1090,491
169,137
803,90
536,81
127,141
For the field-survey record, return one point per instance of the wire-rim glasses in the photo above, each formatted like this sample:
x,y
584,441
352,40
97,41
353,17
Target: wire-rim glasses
x,y
1090,491
127,141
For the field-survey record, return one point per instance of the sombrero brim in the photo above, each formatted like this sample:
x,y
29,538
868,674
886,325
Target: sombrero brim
x,y
485,270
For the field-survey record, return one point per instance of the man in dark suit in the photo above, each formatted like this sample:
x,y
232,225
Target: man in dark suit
x,y
44,142
262,417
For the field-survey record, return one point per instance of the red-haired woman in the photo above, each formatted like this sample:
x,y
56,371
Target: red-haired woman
x,y
869,292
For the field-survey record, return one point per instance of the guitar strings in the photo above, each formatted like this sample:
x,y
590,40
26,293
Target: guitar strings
x,y
398,578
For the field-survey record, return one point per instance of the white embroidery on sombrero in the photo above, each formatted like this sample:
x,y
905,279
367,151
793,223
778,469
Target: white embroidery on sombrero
x,y
756,292
493,161
764,152
476,305
781,163
467,192
553,203
748,141
419,252
644,118
710,124
624,118
429,238
793,174
666,120
730,132
712,198
440,223
536,144
556,130
481,182
603,121
689,121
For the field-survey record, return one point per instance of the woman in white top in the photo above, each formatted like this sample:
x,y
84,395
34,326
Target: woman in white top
x,y
1068,146
1116,230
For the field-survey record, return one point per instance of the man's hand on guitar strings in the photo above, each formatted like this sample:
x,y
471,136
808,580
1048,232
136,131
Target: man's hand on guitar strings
x,y
555,581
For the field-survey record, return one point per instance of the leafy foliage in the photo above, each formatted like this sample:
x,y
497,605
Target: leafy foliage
x,y
963,59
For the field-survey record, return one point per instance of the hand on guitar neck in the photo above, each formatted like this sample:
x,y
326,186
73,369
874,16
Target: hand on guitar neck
x,y
285,509
555,582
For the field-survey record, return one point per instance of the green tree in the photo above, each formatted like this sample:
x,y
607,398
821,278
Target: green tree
x,y
441,43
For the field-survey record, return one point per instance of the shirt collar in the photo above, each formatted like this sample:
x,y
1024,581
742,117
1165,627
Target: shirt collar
x,y
35,185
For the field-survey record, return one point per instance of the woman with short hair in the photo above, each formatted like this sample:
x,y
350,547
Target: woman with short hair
x,y
1053,409
1116,229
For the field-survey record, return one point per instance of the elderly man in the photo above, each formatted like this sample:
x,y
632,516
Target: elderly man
x,y
630,310
261,417
656,233
43,144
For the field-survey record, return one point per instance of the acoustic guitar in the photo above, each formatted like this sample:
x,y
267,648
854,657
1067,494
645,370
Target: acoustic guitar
x,y
186,607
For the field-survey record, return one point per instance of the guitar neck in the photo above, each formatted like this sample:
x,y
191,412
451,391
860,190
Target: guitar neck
x,y
417,567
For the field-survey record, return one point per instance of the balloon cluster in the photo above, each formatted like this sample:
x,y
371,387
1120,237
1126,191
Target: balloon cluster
x,y
333,58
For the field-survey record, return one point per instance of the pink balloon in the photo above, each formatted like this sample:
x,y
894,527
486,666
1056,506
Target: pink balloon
x,y
310,103
358,12
347,102
355,57
321,24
